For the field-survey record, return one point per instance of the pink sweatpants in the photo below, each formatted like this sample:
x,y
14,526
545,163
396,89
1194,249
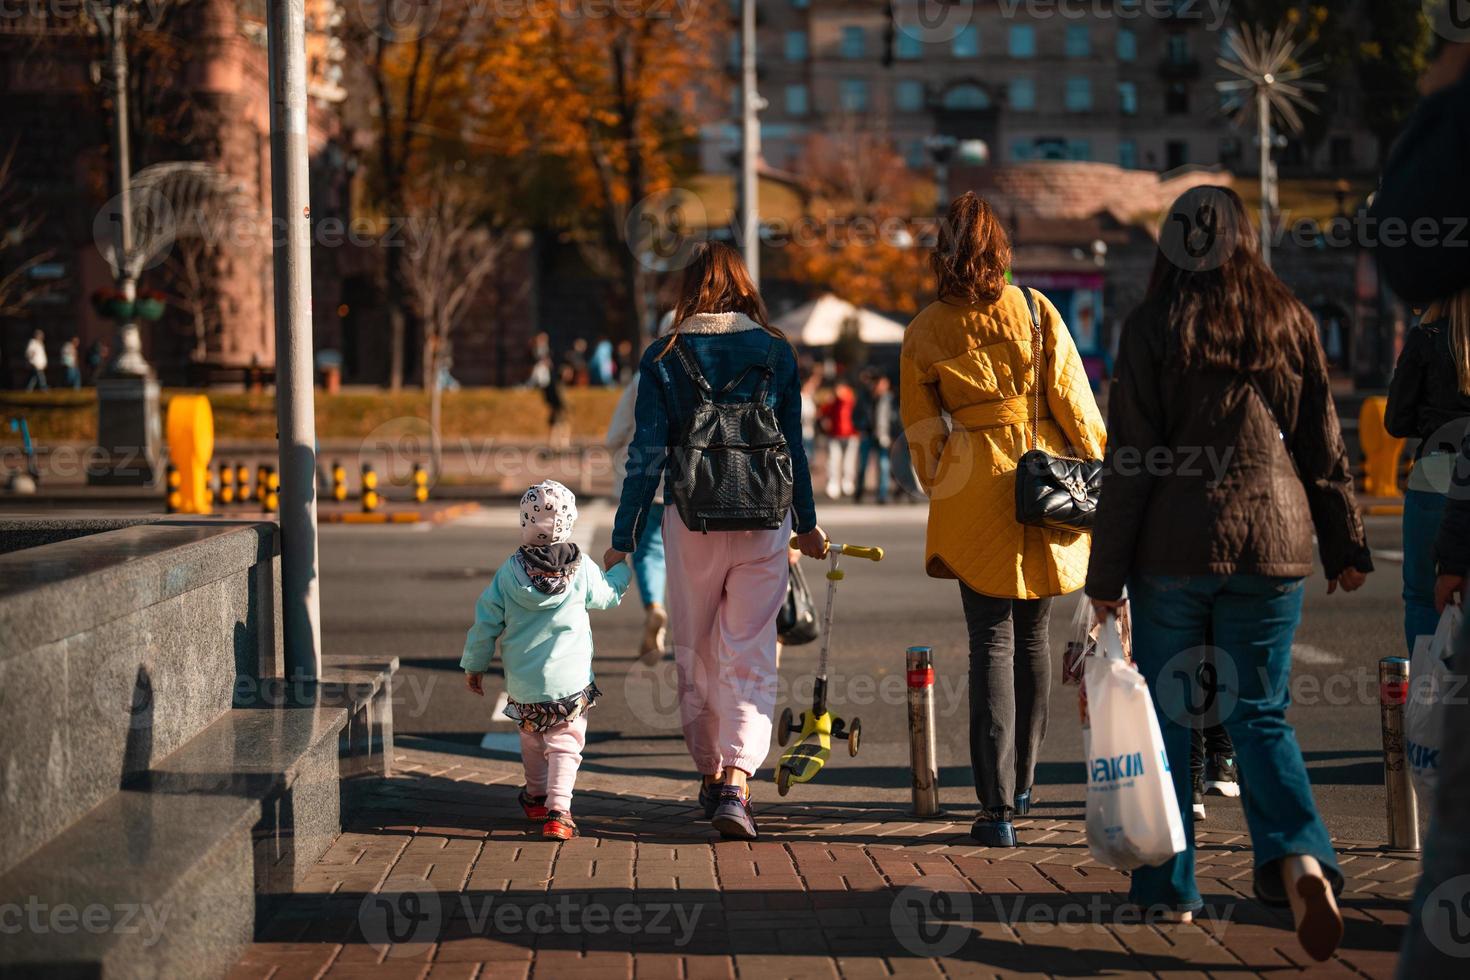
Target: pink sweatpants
x,y
551,759
724,590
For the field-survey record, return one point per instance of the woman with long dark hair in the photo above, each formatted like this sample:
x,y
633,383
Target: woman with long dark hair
x,y
724,586
968,392
1224,454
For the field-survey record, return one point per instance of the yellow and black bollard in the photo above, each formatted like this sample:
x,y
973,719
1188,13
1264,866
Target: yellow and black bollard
x,y
174,501
262,477
370,498
226,483
270,490
420,483
339,481
242,480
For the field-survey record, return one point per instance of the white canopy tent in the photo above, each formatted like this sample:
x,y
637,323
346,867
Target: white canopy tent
x,y
822,321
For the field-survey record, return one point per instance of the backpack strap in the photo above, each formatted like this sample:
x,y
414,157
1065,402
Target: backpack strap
x,y
766,367
691,368
1037,356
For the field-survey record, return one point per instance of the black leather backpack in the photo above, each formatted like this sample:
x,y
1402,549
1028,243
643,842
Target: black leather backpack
x,y
732,467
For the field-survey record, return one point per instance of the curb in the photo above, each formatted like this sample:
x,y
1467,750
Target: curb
x,y
421,516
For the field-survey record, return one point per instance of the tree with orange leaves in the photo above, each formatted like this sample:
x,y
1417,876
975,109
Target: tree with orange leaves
x,y
605,95
861,239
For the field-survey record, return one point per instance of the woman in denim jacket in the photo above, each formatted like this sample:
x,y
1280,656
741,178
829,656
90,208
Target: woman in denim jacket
x,y
724,587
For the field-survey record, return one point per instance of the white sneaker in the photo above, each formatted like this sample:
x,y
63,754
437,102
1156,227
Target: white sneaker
x,y
655,622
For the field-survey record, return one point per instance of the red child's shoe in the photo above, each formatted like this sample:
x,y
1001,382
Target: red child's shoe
x,y
559,826
533,806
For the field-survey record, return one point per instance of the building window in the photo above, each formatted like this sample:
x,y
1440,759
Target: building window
x,y
800,4
908,95
1079,41
797,103
1022,94
1176,99
1128,98
907,47
1128,154
966,96
796,48
854,94
1127,46
1022,41
1051,148
1079,149
966,43
1176,154
1021,150
1079,94
854,42
732,51
1178,49
915,154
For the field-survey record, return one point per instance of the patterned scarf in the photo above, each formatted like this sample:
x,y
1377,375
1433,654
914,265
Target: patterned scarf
x,y
549,567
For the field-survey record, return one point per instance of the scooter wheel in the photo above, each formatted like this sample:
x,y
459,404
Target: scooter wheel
x,y
783,778
784,727
854,737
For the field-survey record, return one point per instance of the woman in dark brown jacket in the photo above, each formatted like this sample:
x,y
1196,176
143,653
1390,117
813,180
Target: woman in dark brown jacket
x,y
1224,452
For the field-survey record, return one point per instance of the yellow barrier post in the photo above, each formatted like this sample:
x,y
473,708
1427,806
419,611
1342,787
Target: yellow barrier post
x,y
226,484
1381,451
262,476
420,483
173,499
242,482
270,494
370,498
339,481
190,429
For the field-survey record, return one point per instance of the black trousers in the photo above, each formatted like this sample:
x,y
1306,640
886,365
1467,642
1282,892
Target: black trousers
x,y
1010,678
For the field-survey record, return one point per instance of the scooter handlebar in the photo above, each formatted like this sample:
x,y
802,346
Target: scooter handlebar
x,y
852,550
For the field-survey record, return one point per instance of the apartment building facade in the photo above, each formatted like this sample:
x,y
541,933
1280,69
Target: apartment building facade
x,y
1124,82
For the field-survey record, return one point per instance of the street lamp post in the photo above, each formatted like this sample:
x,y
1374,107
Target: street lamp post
x,y
941,150
750,144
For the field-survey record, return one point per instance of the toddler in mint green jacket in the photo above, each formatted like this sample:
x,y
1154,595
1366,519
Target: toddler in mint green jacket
x,y
536,606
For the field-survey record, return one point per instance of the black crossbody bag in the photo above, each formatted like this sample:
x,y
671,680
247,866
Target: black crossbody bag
x,y
1055,492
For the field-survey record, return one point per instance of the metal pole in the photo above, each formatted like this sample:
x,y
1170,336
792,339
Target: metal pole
x,y
295,412
923,758
1263,123
128,358
750,145
1403,808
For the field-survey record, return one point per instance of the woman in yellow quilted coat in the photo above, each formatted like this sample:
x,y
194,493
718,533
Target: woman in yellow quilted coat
x,y
967,382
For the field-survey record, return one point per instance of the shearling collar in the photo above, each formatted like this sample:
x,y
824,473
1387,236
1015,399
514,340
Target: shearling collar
x,y
718,323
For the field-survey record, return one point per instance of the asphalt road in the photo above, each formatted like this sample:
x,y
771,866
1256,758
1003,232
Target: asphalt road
x,y
410,591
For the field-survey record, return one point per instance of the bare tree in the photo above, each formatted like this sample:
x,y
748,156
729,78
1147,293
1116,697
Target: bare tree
x,y
193,274
17,289
451,253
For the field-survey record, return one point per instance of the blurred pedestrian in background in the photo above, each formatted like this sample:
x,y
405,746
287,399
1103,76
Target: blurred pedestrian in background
x,y
36,361
559,430
72,372
842,441
1221,362
968,382
96,358
877,423
1429,400
600,366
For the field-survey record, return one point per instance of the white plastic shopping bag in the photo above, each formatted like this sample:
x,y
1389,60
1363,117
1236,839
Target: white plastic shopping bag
x,y
1132,814
1430,685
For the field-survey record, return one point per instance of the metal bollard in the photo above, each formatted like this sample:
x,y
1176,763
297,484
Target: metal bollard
x,y
1403,808
923,758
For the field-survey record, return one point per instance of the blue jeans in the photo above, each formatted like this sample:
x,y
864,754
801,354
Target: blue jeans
x,y
866,449
1422,512
648,558
1253,619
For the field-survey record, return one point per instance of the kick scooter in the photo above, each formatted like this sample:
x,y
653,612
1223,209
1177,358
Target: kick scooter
x,y
817,727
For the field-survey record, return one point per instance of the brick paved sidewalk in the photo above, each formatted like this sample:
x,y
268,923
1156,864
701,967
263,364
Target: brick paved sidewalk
x,y
439,876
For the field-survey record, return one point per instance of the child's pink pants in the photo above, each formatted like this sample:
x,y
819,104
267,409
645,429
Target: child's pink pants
x,y
551,759
724,590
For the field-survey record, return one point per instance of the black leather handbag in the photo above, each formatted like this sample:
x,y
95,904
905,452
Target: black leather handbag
x,y
1056,492
796,621
732,467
